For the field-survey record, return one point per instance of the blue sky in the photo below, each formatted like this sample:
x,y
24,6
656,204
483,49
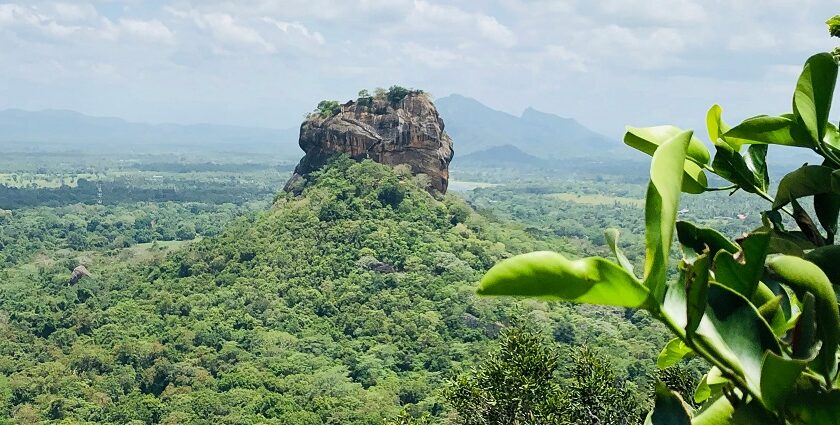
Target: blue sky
x,y
265,63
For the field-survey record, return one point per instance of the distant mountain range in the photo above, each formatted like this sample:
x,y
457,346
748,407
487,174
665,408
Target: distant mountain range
x,y
68,130
475,127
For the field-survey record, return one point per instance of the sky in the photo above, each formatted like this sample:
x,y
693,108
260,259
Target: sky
x,y
607,63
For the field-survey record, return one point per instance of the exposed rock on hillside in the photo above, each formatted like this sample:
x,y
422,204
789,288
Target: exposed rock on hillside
x,y
383,128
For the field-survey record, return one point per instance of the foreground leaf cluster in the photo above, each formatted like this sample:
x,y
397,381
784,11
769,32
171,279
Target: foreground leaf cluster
x,y
762,310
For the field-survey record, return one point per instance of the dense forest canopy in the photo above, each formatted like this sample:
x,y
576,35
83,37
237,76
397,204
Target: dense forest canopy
x,y
352,303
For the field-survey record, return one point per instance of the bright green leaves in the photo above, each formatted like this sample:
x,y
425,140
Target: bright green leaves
x,y
611,235
804,276
661,204
649,139
748,171
741,272
695,278
710,384
778,376
769,325
814,90
674,351
668,408
805,181
552,276
701,238
737,334
827,258
715,125
766,130
833,26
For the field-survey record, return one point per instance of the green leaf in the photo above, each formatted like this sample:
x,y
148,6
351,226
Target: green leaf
x,y
696,281
753,413
700,238
832,137
827,207
778,376
649,139
806,224
827,258
770,312
715,124
710,384
716,412
668,408
730,165
742,271
814,90
768,130
805,332
611,235
550,275
671,354
732,330
737,333
814,406
661,203
807,180
833,25
756,160
805,276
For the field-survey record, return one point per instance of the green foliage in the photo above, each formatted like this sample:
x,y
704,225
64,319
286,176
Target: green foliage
x,y
364,99
522,383
767,322
328,108
351,303
396,94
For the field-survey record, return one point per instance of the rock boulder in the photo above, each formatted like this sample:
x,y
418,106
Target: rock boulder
x,y
405,131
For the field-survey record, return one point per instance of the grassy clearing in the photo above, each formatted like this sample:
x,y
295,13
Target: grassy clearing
x,y
42,181
596,199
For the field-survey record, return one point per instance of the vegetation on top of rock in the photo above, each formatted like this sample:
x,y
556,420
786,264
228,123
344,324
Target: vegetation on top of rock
x,y
328,108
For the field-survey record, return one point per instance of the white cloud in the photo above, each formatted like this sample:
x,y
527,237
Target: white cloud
x,y
225,29
663,12
154,30
562,54
435,58
756,39
430,17
296,29
641,48
69,12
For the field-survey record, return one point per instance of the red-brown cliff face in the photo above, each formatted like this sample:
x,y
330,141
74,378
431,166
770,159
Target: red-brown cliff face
x,y
409,131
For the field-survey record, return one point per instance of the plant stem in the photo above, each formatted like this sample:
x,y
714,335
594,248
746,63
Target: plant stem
x,y
712,189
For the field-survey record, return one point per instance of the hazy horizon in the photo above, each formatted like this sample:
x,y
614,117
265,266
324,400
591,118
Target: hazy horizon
x,y
260,63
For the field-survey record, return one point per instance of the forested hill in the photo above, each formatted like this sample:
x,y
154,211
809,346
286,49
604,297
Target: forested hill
x,y
345,305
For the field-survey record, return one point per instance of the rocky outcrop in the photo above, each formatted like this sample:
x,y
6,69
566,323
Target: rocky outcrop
x,y
408,131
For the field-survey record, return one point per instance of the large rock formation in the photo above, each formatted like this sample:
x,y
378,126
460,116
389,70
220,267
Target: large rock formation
x,y
396,131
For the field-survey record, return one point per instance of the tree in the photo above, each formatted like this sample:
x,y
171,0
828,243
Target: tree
x,y
514,385
521,384
762,310
328,108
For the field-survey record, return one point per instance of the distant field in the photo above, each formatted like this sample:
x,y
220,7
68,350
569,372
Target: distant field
x,y
596,199
42,180
460,185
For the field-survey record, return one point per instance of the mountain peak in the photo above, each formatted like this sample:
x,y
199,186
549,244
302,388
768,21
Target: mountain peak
x,y
476,127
